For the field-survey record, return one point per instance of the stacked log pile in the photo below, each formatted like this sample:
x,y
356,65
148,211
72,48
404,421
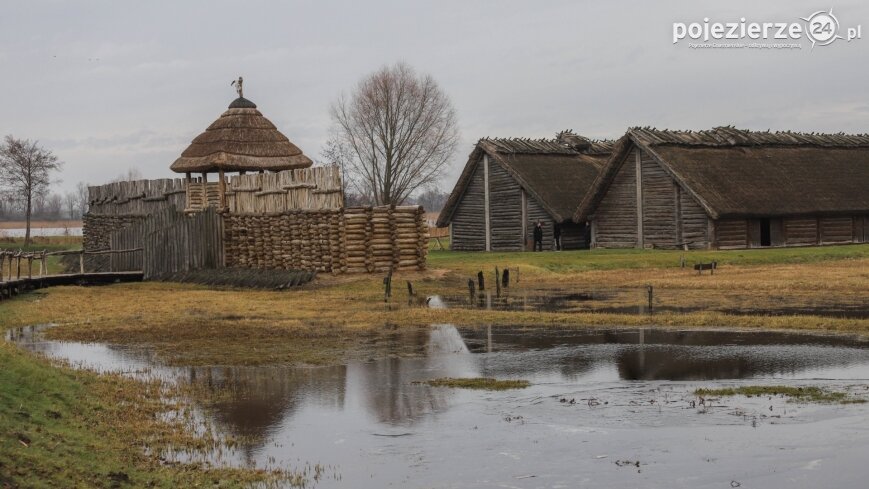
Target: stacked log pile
x,y
356,240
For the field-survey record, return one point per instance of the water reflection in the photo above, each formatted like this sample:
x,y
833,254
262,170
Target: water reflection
x,y
286,412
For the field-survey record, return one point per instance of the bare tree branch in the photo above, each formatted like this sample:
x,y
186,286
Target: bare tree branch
x,y
393,135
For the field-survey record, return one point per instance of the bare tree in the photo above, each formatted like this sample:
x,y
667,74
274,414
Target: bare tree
x,y
70,202
394,134
25,169
130,175
82,198
53,206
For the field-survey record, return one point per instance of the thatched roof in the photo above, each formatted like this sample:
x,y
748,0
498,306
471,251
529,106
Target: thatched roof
x,y
241,139
552,171
738,173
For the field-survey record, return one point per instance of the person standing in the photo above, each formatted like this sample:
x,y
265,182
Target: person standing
x,y
556,233
538,236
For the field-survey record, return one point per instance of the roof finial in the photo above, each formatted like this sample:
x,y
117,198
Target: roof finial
x,y
237,84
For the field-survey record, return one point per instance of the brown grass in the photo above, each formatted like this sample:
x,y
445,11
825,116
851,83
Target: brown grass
x,y
323,322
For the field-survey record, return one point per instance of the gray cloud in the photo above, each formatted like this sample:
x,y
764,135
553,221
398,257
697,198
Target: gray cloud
x,y
111,85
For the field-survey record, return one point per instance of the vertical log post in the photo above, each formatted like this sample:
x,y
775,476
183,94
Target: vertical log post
x,y
204,190
650,292
222,190
505,278
471,290
497,283
81,262
480,282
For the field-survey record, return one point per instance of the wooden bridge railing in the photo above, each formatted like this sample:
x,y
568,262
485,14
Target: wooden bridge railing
x,y
11,261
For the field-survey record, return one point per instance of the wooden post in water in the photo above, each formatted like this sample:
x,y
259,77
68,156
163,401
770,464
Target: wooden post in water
x,y
410,289
480,282
497,283
471,288
387,286
651,297
505,278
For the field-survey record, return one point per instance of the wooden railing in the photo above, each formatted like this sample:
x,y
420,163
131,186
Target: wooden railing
x,y
11,261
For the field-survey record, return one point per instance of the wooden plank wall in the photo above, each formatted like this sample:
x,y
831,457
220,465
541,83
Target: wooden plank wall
x,y
172,241
801,231
534,212
505,210
468,230
694,221
731,233
836,230
659,205
616,215
574,236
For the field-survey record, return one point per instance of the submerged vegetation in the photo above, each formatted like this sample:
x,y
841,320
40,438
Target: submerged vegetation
x,y
59,425
481,383
800,394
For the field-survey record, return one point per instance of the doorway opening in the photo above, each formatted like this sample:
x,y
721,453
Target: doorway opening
x,y
765,239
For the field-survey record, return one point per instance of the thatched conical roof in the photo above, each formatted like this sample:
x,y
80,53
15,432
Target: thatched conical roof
x,y
241,139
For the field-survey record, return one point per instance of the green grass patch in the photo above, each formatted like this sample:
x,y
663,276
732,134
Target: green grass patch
x,y
803,394
601,259
65,428
481,383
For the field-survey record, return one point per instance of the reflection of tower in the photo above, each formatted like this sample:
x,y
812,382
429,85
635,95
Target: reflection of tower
x,y
390,386
642,350
252,402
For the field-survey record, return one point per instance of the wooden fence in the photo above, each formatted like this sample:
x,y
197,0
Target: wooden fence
x,y
172,242
317,188
136,197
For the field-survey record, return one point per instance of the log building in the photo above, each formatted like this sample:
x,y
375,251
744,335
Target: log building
x,y
729,188
508,184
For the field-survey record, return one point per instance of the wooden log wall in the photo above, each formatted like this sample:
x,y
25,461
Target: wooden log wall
x,y
315,188
616,216
694,222
356,240
138,197
801,231
574,236
836,230
505,210
533,212
468,229
659,205
731,233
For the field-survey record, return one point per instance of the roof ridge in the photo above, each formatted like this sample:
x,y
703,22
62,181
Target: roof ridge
x,y
730,136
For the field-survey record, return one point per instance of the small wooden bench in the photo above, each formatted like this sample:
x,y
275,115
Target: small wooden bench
x,y
706,266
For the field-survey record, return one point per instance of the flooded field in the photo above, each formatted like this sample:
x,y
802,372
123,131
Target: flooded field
x,y
56,231
606,408
635,301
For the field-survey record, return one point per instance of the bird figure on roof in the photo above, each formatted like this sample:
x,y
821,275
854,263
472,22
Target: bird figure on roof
x,y
237,84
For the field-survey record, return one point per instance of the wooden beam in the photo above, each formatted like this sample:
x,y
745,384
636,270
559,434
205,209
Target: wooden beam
x,y
222,189
486,201
639,185
524,242
204,190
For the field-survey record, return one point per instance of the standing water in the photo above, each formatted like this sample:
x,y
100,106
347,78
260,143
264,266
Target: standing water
x,y
608,408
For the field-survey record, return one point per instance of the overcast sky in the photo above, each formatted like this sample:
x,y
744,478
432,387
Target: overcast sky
x,y
113,85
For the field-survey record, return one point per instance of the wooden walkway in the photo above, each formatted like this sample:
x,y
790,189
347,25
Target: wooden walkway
x,y
19,276
14,287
